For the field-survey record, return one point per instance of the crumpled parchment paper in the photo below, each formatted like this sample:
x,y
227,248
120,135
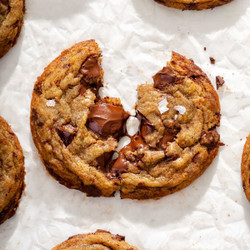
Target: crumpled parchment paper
x,y
136,37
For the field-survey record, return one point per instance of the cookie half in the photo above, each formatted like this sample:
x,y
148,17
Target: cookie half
x,y
100,240
245,168
11,21
11,171
193,4
178,140
76,132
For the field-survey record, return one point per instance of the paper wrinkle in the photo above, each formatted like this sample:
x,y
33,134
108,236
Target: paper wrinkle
x,y
136,37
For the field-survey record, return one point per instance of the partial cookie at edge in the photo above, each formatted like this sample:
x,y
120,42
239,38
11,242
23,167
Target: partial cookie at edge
x,y
11,172
100,240
245,168
193,4
11,21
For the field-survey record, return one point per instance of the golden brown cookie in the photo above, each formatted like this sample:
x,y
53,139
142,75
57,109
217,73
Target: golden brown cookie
x,y
11,21
193,4
100,240
178,138
77,133
245,168
11,171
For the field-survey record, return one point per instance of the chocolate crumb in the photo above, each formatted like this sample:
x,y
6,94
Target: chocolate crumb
x,y
205,48
212,60
219,81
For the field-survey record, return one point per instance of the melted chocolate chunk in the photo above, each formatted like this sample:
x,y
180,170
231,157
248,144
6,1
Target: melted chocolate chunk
x,y
165,78
91,68
66,133
169,136
121,164
106,120
105,161
219,81
172,128
146,127
210,139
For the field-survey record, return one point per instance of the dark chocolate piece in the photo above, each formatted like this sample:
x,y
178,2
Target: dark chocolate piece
x,y
66,133
219,81
91,68
210,139
105,161
165,78
121,164
212,60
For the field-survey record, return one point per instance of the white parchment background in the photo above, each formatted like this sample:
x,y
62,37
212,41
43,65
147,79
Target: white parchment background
x,y
136,37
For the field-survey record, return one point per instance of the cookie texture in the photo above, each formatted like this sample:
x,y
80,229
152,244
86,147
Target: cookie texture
x,y
76,150
77,132
100,240
11,171
245,168
11,21
178,138
193,4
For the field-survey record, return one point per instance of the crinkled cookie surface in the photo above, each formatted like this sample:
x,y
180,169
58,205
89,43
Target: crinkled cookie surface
x,y
11,171
77,132
11,21
193,4
100,240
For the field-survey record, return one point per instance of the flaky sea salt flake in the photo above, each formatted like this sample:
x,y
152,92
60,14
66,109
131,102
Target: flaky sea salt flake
x,y
181,109
51,103
163,106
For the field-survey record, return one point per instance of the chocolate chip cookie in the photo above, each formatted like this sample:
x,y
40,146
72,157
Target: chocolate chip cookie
x,y
100,240
11,21
193,4
11,171
75,131
178,140
245,168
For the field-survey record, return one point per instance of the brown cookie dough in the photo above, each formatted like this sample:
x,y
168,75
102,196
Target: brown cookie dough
x,y
193,4
178,138
11,21
100,240
245,168
76,132
11,171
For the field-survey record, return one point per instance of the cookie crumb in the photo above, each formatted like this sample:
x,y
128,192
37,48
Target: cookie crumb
x,y
219,81
212,60
205,48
